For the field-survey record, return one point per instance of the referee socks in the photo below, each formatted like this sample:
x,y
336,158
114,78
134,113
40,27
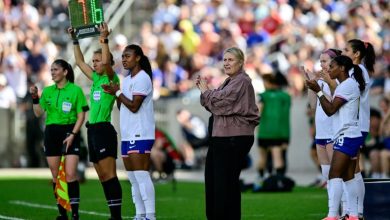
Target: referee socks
x,y
113,192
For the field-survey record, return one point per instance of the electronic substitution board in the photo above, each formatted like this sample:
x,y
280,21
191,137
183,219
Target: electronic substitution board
x,y
85,16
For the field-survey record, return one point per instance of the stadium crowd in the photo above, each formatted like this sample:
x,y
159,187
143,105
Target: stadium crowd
x,y
185,38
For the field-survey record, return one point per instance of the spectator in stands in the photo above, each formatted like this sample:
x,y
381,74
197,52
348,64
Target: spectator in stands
x,y
194,131
169,78
120,42
16,76
385,133
7,95
373,145
165,156
36,63
34,132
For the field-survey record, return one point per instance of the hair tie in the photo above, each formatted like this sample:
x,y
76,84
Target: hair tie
x,y
331,53
365,44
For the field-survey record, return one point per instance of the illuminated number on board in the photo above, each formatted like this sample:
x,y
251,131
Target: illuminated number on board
x,y
97,13
82,2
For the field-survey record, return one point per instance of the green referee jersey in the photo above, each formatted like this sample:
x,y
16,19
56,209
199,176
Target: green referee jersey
x,y
63,105
275,117
101,102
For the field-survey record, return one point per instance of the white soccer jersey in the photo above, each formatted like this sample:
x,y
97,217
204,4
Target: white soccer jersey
x,y
345,120
323,122
364,108
139,125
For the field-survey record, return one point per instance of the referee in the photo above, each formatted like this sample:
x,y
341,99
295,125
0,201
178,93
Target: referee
x,y
102,137
65,106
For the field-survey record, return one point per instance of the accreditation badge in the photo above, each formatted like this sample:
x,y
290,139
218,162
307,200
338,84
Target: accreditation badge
x,y
66,107
96,95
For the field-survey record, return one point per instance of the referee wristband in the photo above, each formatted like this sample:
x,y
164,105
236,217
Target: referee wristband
x,y
75,42
35,100
118,93
319,94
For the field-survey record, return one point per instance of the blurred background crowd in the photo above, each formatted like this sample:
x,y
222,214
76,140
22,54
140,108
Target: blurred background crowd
x,y
185,38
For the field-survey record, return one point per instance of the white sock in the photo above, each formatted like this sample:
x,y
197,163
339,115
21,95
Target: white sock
x,y
325,174
136,194
150,216
335,192
325,171
146,188
352,189
361,191
344,201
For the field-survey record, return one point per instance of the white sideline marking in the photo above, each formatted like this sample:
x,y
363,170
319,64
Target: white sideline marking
x,y
10,218
35,205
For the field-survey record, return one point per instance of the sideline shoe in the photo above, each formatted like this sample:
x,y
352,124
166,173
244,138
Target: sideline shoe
x,y
331,218
258,184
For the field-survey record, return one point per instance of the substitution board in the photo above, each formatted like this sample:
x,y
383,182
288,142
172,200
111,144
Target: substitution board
x,y
85,16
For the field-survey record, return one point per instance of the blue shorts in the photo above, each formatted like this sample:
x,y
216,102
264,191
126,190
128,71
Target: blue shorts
x,y
348,146
323,142
386,143
136,147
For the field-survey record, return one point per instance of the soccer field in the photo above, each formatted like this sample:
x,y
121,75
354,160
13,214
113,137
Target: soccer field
x,y
33,199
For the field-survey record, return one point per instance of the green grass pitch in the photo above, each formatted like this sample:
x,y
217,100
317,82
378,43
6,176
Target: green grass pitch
x,y
33,199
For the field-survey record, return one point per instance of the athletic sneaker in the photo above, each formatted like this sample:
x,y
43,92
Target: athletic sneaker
x,y
345,217
331,218
257,185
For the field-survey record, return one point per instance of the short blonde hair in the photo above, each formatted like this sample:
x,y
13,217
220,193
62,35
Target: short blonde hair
x,y
237,52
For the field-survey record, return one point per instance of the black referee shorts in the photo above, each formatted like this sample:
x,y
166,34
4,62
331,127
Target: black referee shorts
x,y
54,138
267,143
102,141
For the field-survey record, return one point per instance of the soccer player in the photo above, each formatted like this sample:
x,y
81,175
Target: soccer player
x,y
137,127
363,55
102,137
323,122
345,108
65,106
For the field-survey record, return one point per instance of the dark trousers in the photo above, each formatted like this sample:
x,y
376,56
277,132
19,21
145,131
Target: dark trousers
x,y
224,160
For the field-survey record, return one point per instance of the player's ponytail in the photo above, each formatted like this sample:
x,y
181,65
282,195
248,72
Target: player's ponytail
x,y
357,74
144,60
367,53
